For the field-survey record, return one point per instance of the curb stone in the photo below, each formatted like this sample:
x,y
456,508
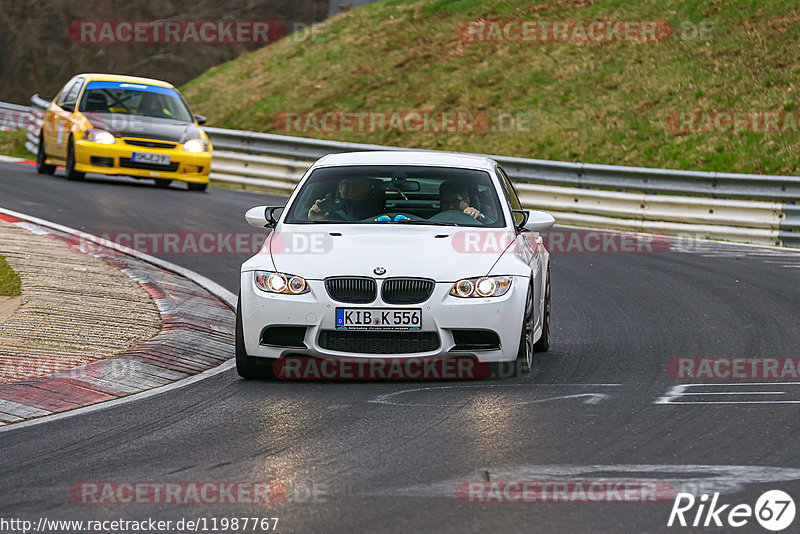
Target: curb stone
x,y
197,335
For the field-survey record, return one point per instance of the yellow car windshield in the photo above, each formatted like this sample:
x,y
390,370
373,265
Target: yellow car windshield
x,y
134,99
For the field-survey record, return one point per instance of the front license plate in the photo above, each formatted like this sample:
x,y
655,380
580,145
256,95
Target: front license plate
x,y
378,319
147,157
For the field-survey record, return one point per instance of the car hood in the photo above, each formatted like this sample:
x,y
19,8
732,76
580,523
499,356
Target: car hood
x,y
402,250
143,127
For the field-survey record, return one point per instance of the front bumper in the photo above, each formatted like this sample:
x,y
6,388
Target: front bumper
x,y
115,159
441,314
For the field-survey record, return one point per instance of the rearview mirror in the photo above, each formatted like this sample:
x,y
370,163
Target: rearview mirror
x,y
262,216
408,186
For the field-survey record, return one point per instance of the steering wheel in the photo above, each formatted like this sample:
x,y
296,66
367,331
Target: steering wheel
x,y
457,217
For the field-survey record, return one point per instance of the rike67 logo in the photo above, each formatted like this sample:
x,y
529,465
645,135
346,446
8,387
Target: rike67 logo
x,y
774,510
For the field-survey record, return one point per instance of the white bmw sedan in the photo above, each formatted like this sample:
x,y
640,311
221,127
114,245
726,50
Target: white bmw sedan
x,y
401,255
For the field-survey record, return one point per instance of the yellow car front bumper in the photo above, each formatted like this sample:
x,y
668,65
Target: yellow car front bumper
x,y
117,159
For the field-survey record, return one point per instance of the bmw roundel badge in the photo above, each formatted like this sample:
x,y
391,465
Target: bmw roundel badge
x,y
379,271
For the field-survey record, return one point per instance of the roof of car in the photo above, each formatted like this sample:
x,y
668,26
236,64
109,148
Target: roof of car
x,y
120,78
407,157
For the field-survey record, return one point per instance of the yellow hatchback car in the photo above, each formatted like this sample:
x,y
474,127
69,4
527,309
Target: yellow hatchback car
x,y
124,125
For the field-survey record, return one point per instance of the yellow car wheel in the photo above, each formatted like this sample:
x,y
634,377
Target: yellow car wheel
x,y
197,187
71,173
41,157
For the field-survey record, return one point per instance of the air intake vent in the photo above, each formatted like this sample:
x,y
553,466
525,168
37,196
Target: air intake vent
x,y
284,336
150,144
475,340
352,290
406,290
127,162
378,343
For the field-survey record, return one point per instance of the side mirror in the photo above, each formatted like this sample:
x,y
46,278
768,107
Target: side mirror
x,y
68,106
535,221
262,216
201,119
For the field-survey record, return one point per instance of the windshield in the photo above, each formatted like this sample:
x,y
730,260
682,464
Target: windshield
x,y
384,194
135,99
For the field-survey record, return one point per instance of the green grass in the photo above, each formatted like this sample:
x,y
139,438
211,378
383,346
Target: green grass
x,y
603,103
13,144
10,285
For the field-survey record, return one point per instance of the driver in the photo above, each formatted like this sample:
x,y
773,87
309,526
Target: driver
x,y
355,199
455,196
152,106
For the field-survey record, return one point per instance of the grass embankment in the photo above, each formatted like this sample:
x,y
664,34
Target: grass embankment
x,y
593,102
13,144
10,285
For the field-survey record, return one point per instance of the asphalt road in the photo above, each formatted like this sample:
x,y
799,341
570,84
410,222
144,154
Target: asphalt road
x,y
389,457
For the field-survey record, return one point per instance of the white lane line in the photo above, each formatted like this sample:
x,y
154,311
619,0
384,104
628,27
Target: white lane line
x,y
11,159
706,403
592,398
206,283
123,400
689,478
675,394
739,393
712,248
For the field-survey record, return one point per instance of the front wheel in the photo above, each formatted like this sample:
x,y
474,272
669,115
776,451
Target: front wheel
x,y
70,171
248,367
543,345
197,187
41,157
525,351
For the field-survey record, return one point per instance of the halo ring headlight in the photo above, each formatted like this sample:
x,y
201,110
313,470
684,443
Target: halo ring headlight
x,y
464,288
482,286
276,282
486,287
296,285
287,284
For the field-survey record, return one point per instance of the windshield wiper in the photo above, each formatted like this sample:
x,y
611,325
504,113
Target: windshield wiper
x,y
428,223
408,221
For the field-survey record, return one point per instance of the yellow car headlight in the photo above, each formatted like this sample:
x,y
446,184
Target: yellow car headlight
x,y
96,135
196,145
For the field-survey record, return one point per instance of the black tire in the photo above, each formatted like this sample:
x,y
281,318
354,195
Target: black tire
x,y
69,170
162,183
524,361
543,344
41,156
248,367
197,187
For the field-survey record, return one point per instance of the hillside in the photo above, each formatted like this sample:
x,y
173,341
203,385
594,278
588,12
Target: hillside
x,y
608,102
41,45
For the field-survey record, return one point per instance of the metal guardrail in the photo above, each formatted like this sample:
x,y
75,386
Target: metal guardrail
x,y
5,106
738,207
15,117
584,175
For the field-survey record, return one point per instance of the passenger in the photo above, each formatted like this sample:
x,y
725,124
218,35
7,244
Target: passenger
x,y
455,196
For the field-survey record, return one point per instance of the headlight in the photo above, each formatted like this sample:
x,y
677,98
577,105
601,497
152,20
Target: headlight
x,y
281,283
196,145
484,286
97,135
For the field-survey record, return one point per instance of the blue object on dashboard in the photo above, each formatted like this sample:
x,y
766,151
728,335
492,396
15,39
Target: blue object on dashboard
x,y
383,218
401,218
